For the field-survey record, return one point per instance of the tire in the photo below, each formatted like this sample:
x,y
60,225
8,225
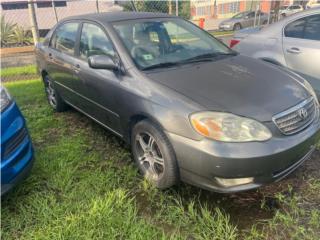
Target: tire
x,y
149,144
237,27
53,96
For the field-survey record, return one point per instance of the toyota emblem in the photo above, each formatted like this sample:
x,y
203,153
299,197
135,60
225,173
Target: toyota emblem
x,y
303,113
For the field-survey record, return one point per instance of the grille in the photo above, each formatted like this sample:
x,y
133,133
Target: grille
x,y
13,143
296,118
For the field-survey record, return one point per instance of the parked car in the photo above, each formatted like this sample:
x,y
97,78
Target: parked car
x,y
313,4
16,145
244,20
191,108
293,42
288,10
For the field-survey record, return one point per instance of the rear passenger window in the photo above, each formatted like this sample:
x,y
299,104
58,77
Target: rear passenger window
x,y
94,41
64,38
305,28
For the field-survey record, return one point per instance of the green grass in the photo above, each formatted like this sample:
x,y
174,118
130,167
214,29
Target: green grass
x,y
221,33
18,71
85,186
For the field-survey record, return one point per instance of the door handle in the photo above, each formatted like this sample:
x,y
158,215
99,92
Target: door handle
x,y
294,50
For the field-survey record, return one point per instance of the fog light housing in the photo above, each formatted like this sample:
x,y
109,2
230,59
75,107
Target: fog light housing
x,y
231,182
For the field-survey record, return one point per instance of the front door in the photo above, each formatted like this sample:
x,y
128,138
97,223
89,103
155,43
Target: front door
x,y
301,48
97,88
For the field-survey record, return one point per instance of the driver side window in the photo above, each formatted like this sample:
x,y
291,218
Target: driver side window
x,y
94,41
251,15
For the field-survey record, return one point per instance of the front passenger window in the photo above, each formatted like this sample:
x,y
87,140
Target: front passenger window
x,y
312,29
305,28
94,42
295,29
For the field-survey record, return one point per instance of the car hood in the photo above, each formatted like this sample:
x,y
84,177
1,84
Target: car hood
x,y
240,85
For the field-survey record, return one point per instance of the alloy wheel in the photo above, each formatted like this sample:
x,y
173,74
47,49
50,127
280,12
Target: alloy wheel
x,y
149,156
51,94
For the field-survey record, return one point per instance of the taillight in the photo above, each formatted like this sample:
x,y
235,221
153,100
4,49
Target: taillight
x,y
234,42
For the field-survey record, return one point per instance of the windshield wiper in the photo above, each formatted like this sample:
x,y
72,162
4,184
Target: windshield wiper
x,y
207,57
161,65
199,58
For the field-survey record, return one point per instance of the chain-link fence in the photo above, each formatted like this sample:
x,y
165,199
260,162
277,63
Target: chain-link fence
x,y
24,22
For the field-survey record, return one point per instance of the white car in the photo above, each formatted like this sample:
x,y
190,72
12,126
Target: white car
x,y
313,3
293,42
289,10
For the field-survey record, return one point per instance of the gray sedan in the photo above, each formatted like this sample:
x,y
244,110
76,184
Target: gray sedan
x,y
244,20
191,108
293,42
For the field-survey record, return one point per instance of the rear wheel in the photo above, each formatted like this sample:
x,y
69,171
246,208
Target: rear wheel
x,y
237,27
154,154
54,98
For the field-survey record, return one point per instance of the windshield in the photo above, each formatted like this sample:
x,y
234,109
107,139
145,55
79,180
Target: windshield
x,y
167,41
283,7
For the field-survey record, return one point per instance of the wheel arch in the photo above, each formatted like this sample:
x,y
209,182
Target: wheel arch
x,y
134,119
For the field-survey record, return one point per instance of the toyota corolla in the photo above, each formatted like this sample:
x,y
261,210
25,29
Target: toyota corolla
x,y
191,108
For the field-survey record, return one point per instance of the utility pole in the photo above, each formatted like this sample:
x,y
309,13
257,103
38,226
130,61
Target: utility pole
x,y
33,21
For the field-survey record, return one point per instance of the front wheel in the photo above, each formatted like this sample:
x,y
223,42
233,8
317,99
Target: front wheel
x,y
237,27
53,96
154,154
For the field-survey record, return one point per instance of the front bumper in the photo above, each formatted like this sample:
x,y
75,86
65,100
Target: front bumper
x,y
16,148
202,162
226,27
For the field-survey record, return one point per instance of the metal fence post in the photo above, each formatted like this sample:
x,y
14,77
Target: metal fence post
x,y
33,21
54,10
177,8
269,13
97,6
170,7
133,6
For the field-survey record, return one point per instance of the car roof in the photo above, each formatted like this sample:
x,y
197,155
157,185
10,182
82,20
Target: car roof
x,y
118,16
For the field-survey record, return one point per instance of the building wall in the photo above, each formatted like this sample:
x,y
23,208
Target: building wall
x,y
228,8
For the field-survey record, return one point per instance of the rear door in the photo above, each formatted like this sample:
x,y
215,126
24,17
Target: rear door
x,y
301,47
60,57
97,89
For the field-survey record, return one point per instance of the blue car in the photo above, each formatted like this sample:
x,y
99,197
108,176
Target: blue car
x,y
16,145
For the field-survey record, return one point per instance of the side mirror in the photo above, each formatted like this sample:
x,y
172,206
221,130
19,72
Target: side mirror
x,y
102,62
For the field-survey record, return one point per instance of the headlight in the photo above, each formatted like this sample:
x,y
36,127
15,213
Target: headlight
x,y
308,86
5,98
228,127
